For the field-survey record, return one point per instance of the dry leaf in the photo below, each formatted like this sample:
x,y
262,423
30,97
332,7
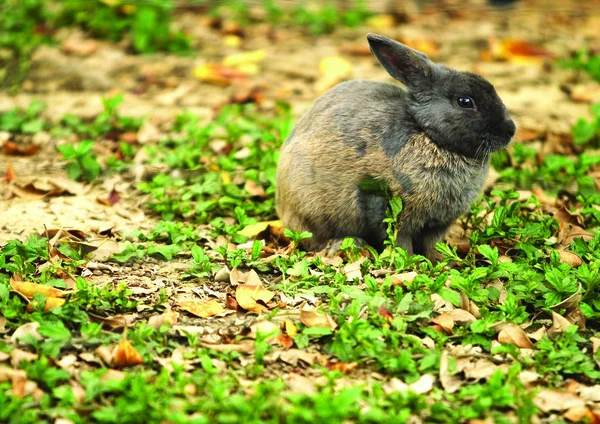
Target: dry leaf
x,y
312,318
13,149
218,74
513,334
29,329
333,70
557,400
290,328
518,51
31,289
352,271
168,316
125,355
445,322
253,298
559,323
202,309
254,189
405,277
570,258
450,383
256,229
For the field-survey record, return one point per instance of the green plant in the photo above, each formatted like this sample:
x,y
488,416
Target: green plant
x,y
25,121
83,164
23,28
586,61
587,131
148,23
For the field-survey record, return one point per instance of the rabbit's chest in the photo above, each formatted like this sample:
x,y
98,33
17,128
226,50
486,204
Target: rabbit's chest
x,y
435,185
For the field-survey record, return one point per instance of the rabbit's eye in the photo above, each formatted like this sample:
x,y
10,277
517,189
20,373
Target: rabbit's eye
x,y
466,102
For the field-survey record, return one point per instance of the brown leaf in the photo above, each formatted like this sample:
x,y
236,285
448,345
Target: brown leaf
x,y
513,334
79,47
570,258
112,198
202,309
518,51
445,322
345,367
352,271
312,318
405,277
13,149
556,400
451,383
125,355
253,298
254,189
559,323
168,316
9,175
384,312
29,329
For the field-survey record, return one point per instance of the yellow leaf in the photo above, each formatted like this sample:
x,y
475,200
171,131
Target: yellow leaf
x,y
51,302
232,41
30,289
125,355
202,309
248,297
381,22
335,67
259,227
239,59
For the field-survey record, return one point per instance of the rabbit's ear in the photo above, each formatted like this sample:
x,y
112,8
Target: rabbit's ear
x,y
408,66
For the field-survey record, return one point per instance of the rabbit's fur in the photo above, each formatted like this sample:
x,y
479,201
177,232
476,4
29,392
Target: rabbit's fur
x,y
420,143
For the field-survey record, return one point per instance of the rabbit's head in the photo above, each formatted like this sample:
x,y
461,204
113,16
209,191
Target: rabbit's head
x,y
459,111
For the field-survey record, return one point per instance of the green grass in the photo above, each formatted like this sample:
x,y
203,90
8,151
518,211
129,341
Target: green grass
x,y
512,272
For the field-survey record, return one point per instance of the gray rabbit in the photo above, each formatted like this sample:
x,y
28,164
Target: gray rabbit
x,y
429,144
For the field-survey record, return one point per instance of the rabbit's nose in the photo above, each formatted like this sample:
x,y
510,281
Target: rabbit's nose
x,y
510,128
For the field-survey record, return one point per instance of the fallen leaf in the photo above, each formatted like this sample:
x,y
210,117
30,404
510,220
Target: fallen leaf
x,y
344,367
290,328
312,318
240,60
168,316
445,322
13,149
256,229
577,414
333,70
202,309
451,383
218,74
513,334
381,21
29,329
556,400
125,355
518,51
301,385
253,298
559,323
570,258
352,271
254,189
292,356
31,289
51,302
110,200
424,384
402,279
79,47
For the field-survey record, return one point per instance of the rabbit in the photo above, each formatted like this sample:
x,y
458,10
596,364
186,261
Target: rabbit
x,y
429,144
